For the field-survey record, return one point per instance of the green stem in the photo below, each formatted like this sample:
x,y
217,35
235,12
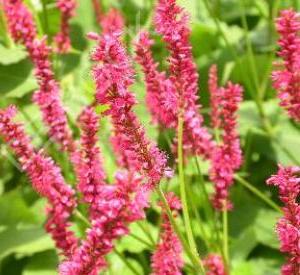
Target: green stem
x,y
225,235
208,207
126,262
197,262
150,246
79,215
185,209
257,192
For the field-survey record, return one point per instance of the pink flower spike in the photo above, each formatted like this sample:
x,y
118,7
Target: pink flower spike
x,y
23,30
161,95
46,179
171,21
62,39
112,22
113,75
286,79
215,99
214,265
287,180
167,258
91,174
20,22
226,157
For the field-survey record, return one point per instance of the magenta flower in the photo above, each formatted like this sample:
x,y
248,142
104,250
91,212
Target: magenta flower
x,y
114,206
46,179
113,76
167,258
288,227
161,97
171,21
112,21
286,79
215,99
20,22
214,265
226,157
62,39
91,174
23,30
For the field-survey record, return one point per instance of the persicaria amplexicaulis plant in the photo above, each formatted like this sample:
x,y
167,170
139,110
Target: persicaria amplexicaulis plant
x,y
110,204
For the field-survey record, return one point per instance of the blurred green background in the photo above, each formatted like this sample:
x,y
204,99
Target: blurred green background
x,y
237,35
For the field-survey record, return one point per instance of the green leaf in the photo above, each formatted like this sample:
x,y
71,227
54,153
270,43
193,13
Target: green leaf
x,y
11,55
14,209
44,263
24,241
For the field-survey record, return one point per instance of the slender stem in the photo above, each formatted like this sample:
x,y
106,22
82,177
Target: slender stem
x,y
126,262
80,216
185,209
257,192
225,235
197,262
208,207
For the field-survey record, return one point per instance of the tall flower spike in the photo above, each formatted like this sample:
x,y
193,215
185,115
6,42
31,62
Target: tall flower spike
x,y
167,258
113,76
91,174
62,39
171,21
114,214
22,29
161,97
226,157
288,227
214,265
215,99
46,179
287,79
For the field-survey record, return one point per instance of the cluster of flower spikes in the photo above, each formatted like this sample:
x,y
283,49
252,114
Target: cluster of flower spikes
x,y
23,30
214,265
46,179
226,157
62,39
287,180
287,78
178,92
167,258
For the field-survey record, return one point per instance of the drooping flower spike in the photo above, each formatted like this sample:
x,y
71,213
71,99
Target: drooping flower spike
x,y
287,180
286,79
226,157
113,75
46,179
62,39
167,258
171,21
23,30
214,265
